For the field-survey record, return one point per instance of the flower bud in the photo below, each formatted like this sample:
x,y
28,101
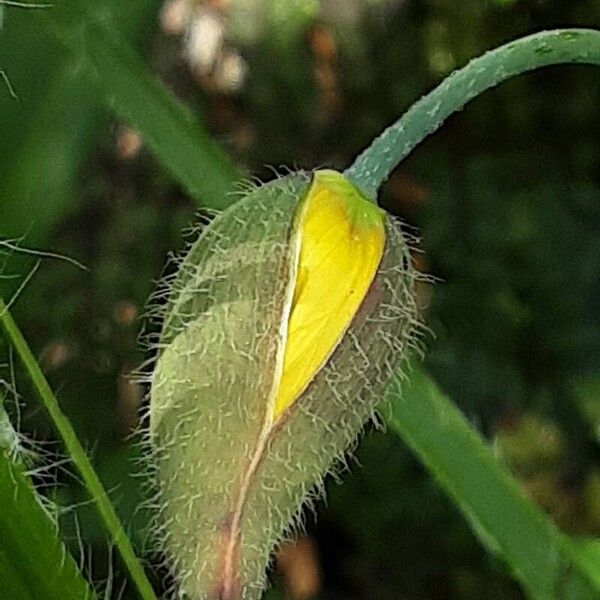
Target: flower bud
x,y
285,323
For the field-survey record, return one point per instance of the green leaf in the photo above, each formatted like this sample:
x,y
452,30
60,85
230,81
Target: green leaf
x,y
488,496
77,454
585,553
173,134
49,130
45,132
128,88
34,564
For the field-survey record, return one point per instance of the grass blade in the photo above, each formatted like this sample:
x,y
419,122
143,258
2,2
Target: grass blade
x,y
488,496
54,124
34,564
130,90
78,455
166,126
586,554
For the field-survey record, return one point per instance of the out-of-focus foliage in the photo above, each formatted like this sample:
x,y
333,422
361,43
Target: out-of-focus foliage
x,y
506,196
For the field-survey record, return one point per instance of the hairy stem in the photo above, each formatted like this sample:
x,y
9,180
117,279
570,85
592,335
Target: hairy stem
x,y
77,454
374,165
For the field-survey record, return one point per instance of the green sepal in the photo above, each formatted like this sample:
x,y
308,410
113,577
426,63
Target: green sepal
x,y
231,481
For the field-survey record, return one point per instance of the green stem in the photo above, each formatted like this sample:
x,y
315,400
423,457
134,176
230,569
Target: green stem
x,y
374,165
77,454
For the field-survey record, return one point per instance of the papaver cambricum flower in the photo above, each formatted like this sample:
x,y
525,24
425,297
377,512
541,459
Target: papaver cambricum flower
x,y
285,322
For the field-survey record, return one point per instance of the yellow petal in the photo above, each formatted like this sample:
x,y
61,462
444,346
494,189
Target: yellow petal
x,y
342,236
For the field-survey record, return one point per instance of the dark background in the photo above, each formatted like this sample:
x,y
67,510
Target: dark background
x,y
506,198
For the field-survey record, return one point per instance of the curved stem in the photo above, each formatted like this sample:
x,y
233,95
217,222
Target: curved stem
x,y
374,165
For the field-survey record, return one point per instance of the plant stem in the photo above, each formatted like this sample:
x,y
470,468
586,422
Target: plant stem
x,y
77,454
374,165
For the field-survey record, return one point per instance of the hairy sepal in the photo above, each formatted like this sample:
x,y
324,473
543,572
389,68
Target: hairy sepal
x,y
231,478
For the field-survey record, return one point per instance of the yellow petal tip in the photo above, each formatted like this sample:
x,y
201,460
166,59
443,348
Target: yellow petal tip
x,y
342,237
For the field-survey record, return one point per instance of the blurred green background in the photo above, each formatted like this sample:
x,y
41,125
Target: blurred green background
x,y
506,198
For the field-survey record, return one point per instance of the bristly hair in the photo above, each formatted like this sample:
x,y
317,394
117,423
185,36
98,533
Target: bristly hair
x,y
373,352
